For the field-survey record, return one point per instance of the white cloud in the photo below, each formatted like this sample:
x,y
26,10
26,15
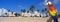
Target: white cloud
x,y
43,4
56,1
19,6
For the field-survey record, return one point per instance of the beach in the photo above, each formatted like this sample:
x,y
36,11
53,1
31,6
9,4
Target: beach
x,y
24,19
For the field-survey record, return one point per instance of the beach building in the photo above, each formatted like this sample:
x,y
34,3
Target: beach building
x,y
3,12
37,13
12,13
30,14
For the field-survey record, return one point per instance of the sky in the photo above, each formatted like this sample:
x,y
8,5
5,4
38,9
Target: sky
x,y
17,5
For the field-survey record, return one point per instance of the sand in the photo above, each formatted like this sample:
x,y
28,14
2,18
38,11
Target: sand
x,y
23,19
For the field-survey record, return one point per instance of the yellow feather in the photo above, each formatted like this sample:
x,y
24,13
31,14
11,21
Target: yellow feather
x,y
53,13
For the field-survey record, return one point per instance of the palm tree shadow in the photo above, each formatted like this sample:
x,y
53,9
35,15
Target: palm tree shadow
x,y
50,19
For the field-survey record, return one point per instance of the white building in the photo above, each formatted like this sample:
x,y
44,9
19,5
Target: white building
x,y
31,14
37,13
3,12
26,14
12,13
22,14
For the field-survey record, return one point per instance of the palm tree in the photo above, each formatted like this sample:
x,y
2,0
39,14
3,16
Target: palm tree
x,y
38,10
27,11
16,14
8,10
44,10
32,8
23,12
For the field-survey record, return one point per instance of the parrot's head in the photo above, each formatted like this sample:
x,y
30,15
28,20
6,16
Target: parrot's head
x,y
49,3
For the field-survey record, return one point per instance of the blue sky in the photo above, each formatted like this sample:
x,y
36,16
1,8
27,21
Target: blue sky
x,y
17,5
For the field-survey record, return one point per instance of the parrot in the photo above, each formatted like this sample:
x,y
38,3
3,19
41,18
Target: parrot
x,y
53,11
51,8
